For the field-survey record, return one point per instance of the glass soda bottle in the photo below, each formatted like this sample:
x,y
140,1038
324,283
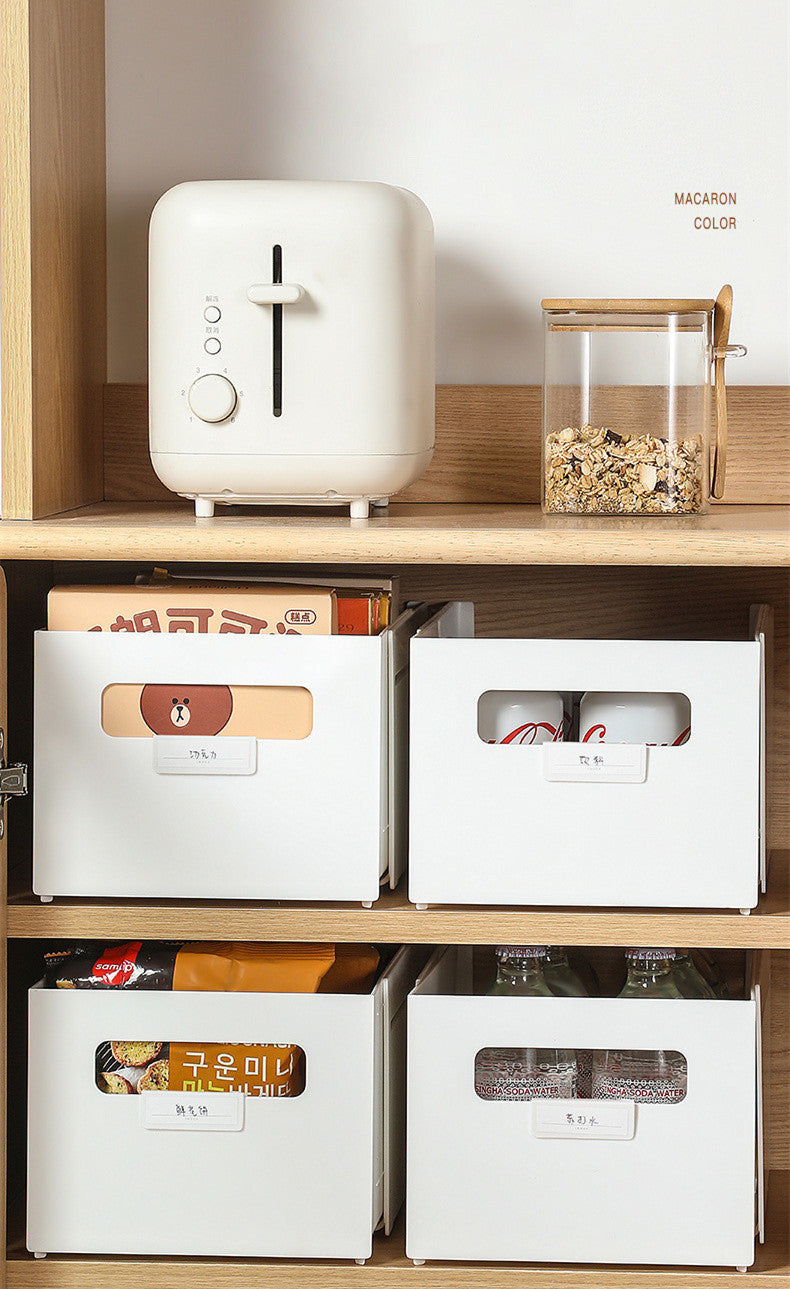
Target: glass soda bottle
x,y
652,1077
564,982
521,1073
560,977
690,982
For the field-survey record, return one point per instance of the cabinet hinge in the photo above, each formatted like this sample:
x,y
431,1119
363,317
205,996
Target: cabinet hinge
x,y
13,781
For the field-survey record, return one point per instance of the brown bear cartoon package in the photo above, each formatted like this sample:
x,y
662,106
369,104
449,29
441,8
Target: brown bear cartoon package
x,y
195,608
197,711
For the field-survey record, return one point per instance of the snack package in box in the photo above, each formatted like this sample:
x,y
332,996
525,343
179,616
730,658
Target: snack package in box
x,y
129,1066
195,607
365,605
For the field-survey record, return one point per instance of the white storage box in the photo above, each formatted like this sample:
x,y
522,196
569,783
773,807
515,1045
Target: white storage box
x,y
482,1185
544,824
319,818
307,1176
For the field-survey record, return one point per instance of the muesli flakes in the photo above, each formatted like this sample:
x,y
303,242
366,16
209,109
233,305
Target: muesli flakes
x,y
593,470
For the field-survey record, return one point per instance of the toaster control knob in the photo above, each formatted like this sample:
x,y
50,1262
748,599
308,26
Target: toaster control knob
x,y
212,398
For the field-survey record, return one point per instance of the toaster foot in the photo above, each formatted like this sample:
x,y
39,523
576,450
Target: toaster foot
x,y
204,509
359,508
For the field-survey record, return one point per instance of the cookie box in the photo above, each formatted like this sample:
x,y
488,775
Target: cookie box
x,y
577,1180
220,766
593,824
218,1173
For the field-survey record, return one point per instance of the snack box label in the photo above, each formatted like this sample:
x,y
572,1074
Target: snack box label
x,y
192,609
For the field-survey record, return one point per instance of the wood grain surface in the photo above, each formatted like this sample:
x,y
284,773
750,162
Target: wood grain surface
x,y
53,254
421,534
393,920
487,446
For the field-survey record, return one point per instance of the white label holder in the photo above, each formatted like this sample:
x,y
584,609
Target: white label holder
x,y
218,754
192,1111
594,1120
595,762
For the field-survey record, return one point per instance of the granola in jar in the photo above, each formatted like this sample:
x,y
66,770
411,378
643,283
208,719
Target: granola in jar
x,y
591,470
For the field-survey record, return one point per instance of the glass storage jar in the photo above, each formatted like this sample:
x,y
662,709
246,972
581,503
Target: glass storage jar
x,y
627,407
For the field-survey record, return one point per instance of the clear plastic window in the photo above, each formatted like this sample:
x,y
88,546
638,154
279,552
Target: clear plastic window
x,y
518,717
132,1066
202,711
530,1073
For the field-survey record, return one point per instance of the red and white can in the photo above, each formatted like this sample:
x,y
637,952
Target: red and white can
x,y
658,720
520,716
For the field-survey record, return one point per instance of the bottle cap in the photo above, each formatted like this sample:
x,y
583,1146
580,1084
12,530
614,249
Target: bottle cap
x,y
509,951
651,955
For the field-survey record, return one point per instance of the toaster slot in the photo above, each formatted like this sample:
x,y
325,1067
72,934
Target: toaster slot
x,y
277,336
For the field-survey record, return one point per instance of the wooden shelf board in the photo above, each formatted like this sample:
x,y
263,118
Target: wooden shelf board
x,y
389,1267
393,920
405,534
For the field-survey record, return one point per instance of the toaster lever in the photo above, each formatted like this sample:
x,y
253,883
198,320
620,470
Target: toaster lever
x,y
275,293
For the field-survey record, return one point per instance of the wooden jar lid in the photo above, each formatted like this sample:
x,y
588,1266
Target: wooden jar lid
x,y
628,306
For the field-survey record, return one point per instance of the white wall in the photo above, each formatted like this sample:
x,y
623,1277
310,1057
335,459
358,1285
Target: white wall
x,y
548,138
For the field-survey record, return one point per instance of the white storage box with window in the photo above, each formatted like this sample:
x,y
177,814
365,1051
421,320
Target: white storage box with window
x,y
281,1176
320,817
580,824
514,1181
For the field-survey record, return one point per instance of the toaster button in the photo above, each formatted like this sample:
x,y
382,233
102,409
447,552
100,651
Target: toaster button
x,y
212,398
212,313
212,345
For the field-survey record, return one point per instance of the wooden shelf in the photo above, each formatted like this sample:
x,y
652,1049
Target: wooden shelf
x,y
393,920
405,534
389,1268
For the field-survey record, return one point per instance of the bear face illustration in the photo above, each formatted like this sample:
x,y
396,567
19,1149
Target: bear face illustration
x,y
186,709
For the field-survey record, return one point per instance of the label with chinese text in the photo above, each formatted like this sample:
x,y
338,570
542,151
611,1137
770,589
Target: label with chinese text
x,y
595,763
223,754
188,1112
598,1120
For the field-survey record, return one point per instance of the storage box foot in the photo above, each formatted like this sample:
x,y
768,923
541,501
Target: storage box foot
x,y
421,907
418,1262
46,899
746,912
360,1261
742,1270
39,1255
367,904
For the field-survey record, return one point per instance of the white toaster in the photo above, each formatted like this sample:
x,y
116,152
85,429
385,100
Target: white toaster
x,y
291,342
